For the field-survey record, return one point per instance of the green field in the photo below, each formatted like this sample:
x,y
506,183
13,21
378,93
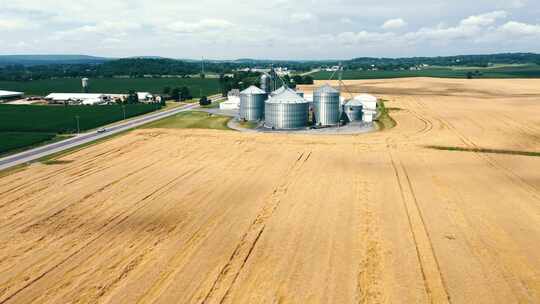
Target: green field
x,y
62,119
197,86
15,140
192,120
524,71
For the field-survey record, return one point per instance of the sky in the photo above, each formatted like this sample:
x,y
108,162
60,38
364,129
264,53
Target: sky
x,y
269,29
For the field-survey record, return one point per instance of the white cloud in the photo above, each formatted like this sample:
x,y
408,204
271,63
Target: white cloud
x,y
473,29
363,37
484,19
202,26
302,17
514,28
346,20
250,29
105,28
13,24
393,24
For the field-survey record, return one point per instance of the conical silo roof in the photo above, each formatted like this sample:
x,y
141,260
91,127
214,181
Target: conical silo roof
x,y
286,96
326,89
280,90
354,103
252,90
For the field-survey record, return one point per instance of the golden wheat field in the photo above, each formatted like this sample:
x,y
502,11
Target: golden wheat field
x,y
443,208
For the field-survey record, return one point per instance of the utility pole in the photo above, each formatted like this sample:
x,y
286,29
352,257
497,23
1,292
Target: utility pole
x,y
124,110
78,128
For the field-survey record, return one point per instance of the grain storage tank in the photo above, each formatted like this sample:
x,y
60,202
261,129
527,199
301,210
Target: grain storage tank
x,y
369,106
84,82
353,110
279,91
326,103
252,103
286,110
265,83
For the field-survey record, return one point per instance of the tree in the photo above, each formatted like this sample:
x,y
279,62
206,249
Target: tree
x,y
308,80
469,75
167,90
132,97
185,94
175,94
298,79
204,101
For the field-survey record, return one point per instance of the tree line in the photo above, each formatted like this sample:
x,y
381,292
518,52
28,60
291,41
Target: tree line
x,y
145,67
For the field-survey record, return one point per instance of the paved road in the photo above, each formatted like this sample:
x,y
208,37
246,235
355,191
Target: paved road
x,y
310,72
37,153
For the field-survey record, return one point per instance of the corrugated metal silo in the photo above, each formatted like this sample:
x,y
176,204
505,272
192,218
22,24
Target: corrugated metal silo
x,y
266,83
286,110
326,104
279,91
353,109
252,103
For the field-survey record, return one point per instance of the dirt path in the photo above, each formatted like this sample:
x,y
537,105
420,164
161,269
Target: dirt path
x,y
444,208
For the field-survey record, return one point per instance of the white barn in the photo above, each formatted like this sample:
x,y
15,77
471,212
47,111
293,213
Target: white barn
x,y
6,95
78,98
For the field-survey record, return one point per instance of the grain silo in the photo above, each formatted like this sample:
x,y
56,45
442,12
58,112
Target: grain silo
x,y
286,110
279,91
326,103
252,103
353,109
85,85
266,83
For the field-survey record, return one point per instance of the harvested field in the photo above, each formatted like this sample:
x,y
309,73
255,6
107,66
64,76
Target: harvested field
x,y
443,208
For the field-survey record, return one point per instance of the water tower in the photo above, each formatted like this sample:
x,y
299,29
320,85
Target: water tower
x,y
85,85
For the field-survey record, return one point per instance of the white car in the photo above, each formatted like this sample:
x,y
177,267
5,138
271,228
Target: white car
x,y
102,130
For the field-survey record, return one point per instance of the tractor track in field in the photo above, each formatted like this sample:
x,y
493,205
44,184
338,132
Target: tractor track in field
x,y
126,214
223,284
530,188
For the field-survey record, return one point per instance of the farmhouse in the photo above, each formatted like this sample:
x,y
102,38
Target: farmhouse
x,y
9,95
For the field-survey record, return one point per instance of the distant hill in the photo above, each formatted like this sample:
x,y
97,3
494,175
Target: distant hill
x,y
29,60
461,60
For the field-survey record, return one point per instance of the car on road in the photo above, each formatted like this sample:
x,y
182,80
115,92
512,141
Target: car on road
x,y
102,130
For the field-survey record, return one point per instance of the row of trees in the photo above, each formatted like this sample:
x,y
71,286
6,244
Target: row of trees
x,y
178,94
239,80
139,67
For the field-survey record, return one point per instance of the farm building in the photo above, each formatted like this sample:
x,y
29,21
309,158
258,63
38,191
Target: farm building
x,y
9,95
369,106
145,97
78,98
232,102
95,98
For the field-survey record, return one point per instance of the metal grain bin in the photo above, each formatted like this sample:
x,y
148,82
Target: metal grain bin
x,y
266,83
252,103
279,91
326,104
286,110
353,109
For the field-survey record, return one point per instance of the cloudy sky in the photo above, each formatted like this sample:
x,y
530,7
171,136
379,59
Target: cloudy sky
x,y
274,29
